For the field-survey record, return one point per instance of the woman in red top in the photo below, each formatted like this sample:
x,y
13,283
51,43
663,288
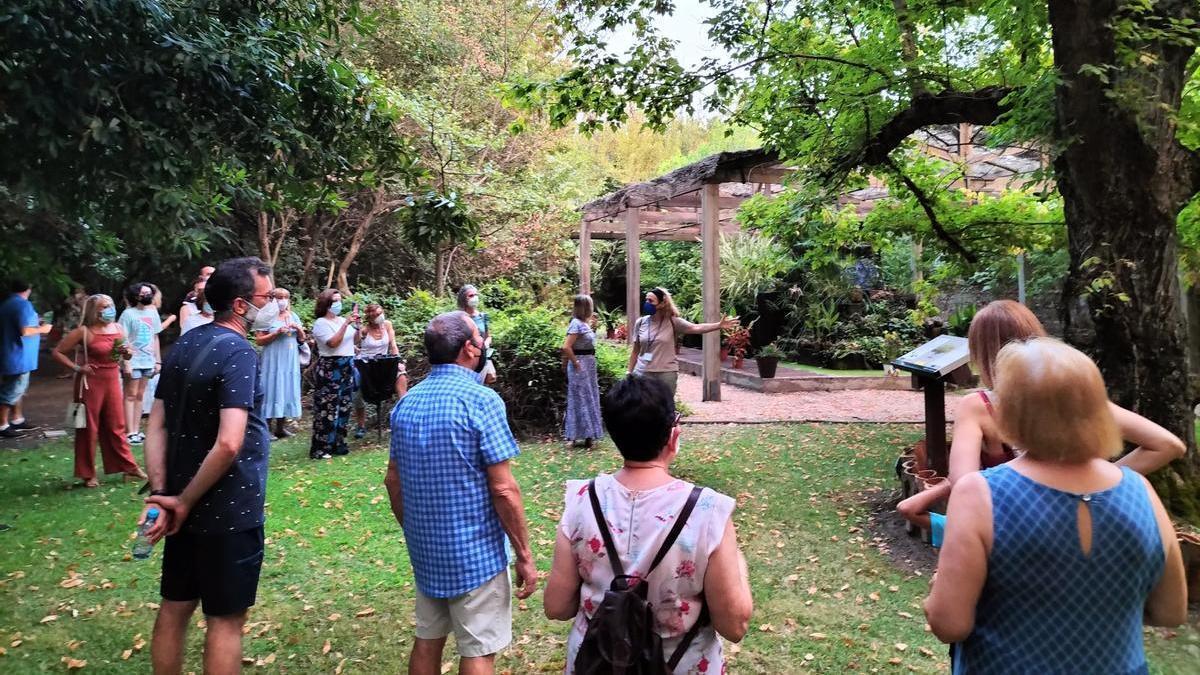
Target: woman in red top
x,y
92,350
977,442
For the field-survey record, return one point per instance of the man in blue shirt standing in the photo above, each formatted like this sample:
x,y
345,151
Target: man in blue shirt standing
x,y
21,334
453,493
206,453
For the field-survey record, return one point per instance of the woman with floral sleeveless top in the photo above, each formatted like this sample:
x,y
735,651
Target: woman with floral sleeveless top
x,y
1052,562
702,570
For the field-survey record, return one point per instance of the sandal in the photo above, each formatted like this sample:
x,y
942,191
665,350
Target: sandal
x,y
91,483
131,477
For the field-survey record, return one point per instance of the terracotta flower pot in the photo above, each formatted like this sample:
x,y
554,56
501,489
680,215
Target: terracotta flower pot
x,y
738,361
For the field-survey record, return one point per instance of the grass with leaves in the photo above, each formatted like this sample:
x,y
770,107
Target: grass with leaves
x,y
336,593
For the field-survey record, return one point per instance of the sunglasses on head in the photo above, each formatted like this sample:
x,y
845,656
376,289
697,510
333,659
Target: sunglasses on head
x,y
678,419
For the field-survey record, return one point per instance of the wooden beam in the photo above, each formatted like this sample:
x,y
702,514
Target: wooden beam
x,y
633,270
585,257
710,240
770,175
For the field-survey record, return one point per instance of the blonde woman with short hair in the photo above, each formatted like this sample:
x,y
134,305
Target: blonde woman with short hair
x,y
1053,561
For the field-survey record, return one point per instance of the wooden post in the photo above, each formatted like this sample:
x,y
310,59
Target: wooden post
x,y
710,241
633,269
935,425
1021,277
585,257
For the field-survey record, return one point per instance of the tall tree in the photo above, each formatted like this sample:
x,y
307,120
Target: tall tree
x,y
839,86
148,119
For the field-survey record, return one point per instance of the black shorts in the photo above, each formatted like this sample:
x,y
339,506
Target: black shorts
x,y
219,570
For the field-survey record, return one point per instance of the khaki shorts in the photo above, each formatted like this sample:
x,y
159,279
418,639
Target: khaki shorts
x,y
481,619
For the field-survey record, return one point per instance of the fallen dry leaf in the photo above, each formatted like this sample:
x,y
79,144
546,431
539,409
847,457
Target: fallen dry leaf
x,y
365,612
335,616
74,664
48,618
126,654
325,649
900,646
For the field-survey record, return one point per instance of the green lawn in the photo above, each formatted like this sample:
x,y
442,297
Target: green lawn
x,y
831,371
336,590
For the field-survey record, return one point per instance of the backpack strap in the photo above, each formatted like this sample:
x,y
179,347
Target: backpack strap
x,y
613,558
688,637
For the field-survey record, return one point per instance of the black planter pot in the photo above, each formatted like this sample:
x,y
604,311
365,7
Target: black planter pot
x,y
767,366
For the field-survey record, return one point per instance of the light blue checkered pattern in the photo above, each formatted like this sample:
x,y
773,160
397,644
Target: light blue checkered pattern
x,y
1048,608
445,433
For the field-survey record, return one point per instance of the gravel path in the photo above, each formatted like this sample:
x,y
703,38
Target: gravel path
x,y
739,405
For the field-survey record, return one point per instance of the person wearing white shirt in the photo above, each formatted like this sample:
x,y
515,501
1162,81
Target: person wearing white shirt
x,y
333,396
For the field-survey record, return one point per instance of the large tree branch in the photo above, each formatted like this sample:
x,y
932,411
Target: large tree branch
x,y
927,205
982,106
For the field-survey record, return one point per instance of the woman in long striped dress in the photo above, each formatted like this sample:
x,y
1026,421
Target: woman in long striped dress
x,y
583,423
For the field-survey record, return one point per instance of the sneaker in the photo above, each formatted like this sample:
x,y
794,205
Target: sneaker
x,y
10,432
135,439
323,455
24,425
359,433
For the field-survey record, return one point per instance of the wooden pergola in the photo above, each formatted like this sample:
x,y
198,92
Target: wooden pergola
x,y
694,203
698,203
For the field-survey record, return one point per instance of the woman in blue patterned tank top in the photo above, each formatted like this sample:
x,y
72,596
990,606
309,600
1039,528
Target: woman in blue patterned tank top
x,y
1052,562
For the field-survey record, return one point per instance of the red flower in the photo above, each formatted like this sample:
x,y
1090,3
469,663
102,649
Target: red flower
x,y
703,665
595,545
589,606
582,490
687,568
684,606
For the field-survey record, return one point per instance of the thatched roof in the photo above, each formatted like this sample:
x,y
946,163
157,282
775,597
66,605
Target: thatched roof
x,y
741,166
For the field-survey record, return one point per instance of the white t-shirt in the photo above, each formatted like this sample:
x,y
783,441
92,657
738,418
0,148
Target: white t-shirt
x,y
324,329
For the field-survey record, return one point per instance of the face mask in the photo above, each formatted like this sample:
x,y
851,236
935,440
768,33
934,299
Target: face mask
x,y
482,358
283,304
145,299
251,314
266,316
108,315
473,302
336,308
207,308
649,308
379,320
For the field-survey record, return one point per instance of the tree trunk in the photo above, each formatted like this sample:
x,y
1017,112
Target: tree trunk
x,y
1124,179
439,271
374,207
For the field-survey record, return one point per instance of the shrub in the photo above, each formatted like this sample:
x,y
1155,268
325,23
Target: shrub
x,y
531,378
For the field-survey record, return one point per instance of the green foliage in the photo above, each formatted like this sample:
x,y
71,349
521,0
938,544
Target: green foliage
x,y
156,119
959,321
751,263
675,266
770,351
501,296
433,220
531,377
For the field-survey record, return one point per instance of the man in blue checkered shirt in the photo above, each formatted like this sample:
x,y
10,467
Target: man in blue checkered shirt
x,y
453,493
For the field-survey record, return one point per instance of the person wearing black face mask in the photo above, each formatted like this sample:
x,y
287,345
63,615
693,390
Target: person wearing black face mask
x,y
653,353
142,324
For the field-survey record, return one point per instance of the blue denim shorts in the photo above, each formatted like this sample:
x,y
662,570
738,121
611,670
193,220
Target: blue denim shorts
x,y
141,373
13,387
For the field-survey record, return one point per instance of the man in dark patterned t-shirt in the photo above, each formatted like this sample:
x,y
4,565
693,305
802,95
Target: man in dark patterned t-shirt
x,y
206,453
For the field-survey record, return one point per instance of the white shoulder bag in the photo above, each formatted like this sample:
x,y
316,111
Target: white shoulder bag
x,y
76,410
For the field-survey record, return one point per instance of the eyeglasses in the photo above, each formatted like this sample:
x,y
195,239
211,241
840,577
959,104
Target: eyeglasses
x,y
678,419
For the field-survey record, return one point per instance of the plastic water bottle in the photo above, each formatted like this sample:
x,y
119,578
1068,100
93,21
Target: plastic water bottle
x,y
142,546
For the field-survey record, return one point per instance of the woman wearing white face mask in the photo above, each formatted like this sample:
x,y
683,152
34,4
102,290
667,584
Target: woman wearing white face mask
x,y
468,301
93,351
377,338
278,331
200,313
333,396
